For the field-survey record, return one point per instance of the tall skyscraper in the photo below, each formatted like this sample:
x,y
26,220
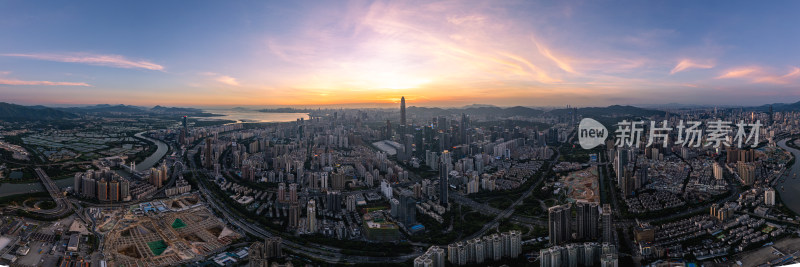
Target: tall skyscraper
x,y
620,161
350,203
586,219
294,215
333,201
273,247
403,111
628,183
388,130
281,192
88,186
337,181
293,193
76,187
183,132
409,206
124,189
312,216
559,224
207,154
113,190
771,116
102,190
443,178
608,224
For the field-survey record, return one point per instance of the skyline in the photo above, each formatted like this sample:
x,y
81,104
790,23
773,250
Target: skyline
x,y
371,53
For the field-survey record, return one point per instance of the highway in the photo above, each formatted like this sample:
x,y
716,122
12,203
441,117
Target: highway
x,y
62,205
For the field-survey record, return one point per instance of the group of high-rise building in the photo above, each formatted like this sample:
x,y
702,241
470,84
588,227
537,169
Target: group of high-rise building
x,y
287,195
103,185
579,254
261,252
723,212
433,257
589,219
158,176
474,251
487,248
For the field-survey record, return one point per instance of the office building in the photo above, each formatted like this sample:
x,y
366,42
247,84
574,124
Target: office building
x,y
443,178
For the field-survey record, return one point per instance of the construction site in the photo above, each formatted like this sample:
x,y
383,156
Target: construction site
x,y
185,231
582,184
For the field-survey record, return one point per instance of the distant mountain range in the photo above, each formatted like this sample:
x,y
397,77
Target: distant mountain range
x,y
14,112
777,107
106,108
175,110
614,110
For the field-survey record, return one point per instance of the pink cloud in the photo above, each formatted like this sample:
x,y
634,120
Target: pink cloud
x,y
739,72
228,80
689,64
116,61
783,79
19,82
458,20
759,75
225,79
562,64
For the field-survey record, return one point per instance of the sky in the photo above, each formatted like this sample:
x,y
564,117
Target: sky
x,y
450,53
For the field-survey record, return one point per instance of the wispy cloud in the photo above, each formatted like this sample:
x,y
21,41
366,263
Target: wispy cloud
x,y
564,65
689,64
19,82
225,79
760,75
458,20
116,61
787,78
739,72
228,80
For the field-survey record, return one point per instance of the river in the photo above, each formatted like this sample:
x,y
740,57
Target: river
x,y
249,115
7,189
789,195
151,161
